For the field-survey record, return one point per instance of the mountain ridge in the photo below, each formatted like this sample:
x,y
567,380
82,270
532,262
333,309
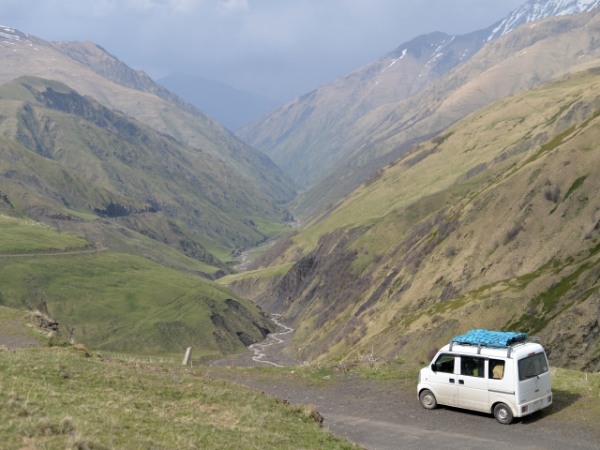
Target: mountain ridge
x,y
147,218
83,67
325,129
536,10
116,155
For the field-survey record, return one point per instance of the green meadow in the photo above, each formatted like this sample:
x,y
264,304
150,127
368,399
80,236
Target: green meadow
x,y
63,398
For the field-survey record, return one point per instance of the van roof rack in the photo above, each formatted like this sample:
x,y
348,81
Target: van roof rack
x,y
491,339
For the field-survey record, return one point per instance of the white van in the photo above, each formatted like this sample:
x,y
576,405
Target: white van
x,y
488,371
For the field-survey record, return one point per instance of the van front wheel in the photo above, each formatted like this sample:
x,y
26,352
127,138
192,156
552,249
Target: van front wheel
x,y
503,414
427,399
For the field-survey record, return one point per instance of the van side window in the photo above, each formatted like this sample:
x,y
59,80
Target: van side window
x,y
532,366
472,366
496,369
445,363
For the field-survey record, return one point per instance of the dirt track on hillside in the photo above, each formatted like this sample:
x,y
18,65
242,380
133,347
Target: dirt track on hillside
x,y
56,253
385,414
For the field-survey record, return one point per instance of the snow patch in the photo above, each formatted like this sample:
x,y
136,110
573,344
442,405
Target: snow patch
x,y
9,36
535,10
395,60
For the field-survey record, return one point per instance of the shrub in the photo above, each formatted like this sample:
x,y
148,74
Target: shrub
x,y
552,194
451,251
512,233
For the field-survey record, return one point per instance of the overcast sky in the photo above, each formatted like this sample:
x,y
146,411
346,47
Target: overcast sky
x,y
276,48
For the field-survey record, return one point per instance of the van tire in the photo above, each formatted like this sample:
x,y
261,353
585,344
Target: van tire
x,y
503,414
427,399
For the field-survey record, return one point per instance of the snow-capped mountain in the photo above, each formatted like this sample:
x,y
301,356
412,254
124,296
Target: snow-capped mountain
x,y
10,36
411,92
535,10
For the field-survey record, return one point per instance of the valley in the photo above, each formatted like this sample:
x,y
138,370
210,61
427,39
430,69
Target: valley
x,y
448,238
320,255
445,233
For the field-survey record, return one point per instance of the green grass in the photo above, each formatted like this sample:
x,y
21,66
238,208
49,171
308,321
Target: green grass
x,y
58,398
119,301
267,273
15,326
323,372
576,185
123,302
27,236
576,396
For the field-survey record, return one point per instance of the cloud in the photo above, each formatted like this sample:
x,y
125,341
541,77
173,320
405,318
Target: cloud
x,y
233,6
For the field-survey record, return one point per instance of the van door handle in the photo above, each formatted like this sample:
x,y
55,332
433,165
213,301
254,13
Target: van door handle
x,y
451,380
461,381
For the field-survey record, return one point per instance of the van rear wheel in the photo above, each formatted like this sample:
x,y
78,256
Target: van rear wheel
x,y
503,414
427,399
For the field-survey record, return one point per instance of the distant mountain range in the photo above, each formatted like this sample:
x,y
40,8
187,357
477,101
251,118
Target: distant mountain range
x,y
336,137
218,193
229,106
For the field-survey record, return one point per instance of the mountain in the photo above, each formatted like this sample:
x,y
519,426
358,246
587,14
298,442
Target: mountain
x,y
492,224
237,191
338,136
231,107
110,224
69,156
103,223
306,137
536,10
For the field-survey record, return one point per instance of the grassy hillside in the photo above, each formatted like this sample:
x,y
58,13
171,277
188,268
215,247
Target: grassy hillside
x,y
92,71
68,158
27,236
492,224
240,184
116,301
59,398
108,227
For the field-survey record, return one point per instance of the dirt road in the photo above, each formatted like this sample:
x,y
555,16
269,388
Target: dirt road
x,y
385,414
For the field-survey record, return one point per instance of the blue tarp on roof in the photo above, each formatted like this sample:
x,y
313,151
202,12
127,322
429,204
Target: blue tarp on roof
x,y
490,338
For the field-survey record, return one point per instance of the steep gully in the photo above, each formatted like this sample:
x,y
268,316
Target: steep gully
x,y
259,349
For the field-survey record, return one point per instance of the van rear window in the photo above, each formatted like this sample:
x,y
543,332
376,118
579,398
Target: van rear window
x,y
532,366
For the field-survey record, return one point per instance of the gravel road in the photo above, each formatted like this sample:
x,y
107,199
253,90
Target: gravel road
x,y
385,414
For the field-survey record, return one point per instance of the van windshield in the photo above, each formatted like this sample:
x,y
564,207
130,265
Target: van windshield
x,y
532,366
